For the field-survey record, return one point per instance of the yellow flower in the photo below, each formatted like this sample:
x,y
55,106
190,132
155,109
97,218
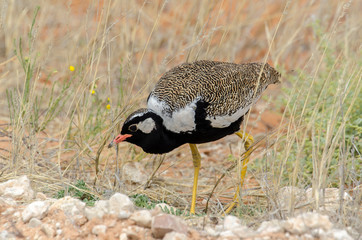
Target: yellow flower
x,y
108,99
92,92
71,68
108,107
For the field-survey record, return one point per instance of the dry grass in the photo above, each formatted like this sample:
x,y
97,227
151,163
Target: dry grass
x,y
54,130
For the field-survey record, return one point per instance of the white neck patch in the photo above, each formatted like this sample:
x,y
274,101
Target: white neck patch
x,y
182,120
147,125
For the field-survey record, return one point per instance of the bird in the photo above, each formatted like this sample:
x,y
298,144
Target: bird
x,y
198,102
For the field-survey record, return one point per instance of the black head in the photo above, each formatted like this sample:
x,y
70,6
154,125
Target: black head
x,y
143,128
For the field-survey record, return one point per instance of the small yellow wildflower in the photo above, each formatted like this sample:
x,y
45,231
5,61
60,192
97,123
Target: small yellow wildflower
x,y
108,106
92,92
71,68
108,99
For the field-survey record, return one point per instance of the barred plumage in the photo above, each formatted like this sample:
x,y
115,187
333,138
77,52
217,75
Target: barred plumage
x,y
227,87
196,103
228,90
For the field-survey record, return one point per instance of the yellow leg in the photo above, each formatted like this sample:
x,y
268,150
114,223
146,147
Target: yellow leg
x,y
248,142
196,158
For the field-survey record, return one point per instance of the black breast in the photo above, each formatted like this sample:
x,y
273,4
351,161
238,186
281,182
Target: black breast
x,y
204,131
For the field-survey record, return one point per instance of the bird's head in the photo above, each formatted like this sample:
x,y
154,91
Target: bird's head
x,y
142,128
274,75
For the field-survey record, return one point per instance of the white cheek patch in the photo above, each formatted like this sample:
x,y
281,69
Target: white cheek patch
x,y
182,120
147,125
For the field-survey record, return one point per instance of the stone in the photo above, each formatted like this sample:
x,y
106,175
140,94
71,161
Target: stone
x,y
175,236
211,231
5,202
6,225
219,228
58,225
243,232
307,222
59,232
100,208
120,205
231,222
99,229
164,223
123,236
8,211
5,235
133,172
34,222
70,206
41,196
18,189
124,215
227,234
73,208
102,205
272,226
143,218
37,209
316,233
48,230
79,220
338,234
132,232
91,212
17,214
307,236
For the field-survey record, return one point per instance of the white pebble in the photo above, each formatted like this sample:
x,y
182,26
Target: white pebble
x,y
36,209
57,225
142,218
99,229
119,203
34,222
59,232
48,230
231,222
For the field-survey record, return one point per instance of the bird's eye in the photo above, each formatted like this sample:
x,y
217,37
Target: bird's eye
x,y
133,127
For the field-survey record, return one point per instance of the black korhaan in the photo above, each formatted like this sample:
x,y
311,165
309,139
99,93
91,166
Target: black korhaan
x,y
196,103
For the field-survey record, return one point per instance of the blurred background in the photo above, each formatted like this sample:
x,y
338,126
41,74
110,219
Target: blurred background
x,y
72,71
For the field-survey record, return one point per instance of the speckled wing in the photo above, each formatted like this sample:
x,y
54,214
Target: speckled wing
x,y
181,85
227,89
232,90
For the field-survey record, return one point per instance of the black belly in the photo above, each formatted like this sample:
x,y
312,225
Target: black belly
x,y
203,133
207,133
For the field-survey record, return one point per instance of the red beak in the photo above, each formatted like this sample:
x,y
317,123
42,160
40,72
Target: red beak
x,y
119,139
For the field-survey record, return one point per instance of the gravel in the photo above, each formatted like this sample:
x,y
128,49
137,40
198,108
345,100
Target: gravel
x,y
118,218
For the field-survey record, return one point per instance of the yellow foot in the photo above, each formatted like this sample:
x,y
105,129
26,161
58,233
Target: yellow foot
x,y
196,158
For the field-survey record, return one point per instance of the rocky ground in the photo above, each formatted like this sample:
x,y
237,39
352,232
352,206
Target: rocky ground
x,y
28,215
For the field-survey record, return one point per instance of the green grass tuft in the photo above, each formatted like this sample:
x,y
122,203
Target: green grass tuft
x,y
79,191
